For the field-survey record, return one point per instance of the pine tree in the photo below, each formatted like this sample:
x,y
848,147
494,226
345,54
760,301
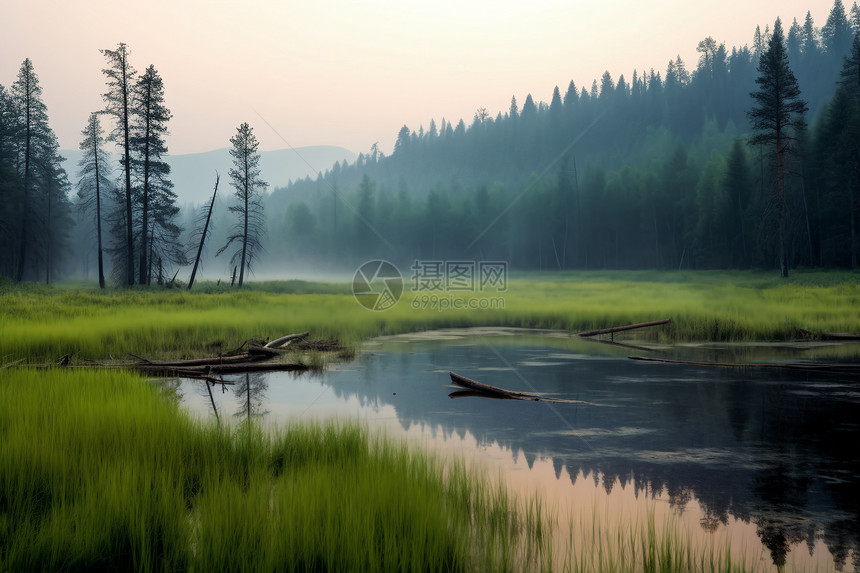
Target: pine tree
x,y
794,41
154,196
529,108
555,102
607,87
39,170
245,179
836,32
810,37
93,184
10,183
850,136
850,74
571,96
119,104
776,118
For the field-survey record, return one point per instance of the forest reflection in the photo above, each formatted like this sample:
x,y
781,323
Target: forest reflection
x,y
747,455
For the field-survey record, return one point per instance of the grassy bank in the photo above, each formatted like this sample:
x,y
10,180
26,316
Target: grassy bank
x,y
98,471
41,323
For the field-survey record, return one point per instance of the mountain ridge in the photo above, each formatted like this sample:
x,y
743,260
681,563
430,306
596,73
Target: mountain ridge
x,y
193,174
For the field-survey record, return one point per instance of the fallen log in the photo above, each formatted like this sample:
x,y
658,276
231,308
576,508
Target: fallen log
x,y
839,336
212,361
623,345
199,371
489,390
835,368
475,388
282,341
614,329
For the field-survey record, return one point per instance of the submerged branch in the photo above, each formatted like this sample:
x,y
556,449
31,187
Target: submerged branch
x,y
614,329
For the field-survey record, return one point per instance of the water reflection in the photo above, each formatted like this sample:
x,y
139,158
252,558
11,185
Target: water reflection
x,y
770,452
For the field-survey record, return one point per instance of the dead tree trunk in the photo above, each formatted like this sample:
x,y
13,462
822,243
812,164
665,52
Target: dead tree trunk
x,y
204,233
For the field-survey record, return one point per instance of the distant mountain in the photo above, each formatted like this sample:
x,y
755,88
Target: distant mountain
x,y
193,174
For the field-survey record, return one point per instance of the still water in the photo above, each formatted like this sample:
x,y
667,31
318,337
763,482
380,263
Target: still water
x,y
765,459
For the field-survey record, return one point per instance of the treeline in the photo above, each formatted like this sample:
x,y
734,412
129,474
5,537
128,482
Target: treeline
x,y
123,213
654,171
662,170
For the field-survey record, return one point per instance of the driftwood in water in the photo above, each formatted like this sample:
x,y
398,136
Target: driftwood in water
x,y
475,388
488,390
615,329
830,367
624,345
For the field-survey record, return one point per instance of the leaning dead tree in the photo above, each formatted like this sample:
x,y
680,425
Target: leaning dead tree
x,y
205,232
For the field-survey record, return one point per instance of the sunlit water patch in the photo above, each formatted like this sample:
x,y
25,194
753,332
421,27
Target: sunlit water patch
x,y
764,460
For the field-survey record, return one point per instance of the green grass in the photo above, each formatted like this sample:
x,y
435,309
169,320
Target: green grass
x,y
100,472
42,323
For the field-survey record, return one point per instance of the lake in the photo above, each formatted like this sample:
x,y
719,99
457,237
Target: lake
x,y
766,459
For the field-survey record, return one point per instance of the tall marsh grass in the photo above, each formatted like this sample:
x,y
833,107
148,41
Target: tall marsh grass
x,y
100,472
40,323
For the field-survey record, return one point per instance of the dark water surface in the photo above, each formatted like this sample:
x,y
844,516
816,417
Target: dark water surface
x,y
765,458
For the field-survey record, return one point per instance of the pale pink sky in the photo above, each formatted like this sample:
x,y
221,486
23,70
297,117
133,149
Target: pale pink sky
x,y
350,73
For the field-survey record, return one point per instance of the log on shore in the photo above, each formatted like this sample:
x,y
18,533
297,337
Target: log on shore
x,y
211,361
614,329
211,370
839,336
284,340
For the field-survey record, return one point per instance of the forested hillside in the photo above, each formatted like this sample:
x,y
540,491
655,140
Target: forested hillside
x,y
749,157
655,169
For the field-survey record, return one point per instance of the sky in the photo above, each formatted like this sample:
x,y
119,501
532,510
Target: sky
x,y
352,73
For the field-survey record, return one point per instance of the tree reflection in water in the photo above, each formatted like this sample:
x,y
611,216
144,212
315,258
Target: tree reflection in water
x,y
774,449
